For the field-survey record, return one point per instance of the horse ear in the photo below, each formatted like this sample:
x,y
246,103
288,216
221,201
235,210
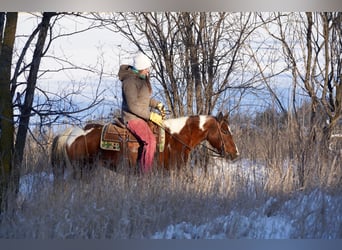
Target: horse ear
x,y
220,116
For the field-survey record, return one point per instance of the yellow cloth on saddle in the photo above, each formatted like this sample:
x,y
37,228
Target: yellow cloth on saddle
x,y
161,141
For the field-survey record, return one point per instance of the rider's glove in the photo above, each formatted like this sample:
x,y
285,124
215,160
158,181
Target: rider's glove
x,y
157,119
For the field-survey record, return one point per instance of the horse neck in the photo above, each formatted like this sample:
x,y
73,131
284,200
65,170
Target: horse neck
x,y
182,127
207,126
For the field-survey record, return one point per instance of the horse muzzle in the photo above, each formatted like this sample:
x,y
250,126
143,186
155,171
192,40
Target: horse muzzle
x,y
232,156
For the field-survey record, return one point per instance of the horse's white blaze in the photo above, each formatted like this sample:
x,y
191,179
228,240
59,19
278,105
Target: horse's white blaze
x,y
237,150
75,133
203,120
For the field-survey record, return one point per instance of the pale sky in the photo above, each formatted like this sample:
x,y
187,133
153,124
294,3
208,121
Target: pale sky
x,y
90,49
82,49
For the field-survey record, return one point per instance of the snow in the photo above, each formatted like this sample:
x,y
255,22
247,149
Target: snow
x,y
252,226
30,183
291,220
315,214
303,216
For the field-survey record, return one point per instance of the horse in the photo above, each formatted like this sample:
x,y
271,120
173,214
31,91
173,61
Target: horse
x,y
79,149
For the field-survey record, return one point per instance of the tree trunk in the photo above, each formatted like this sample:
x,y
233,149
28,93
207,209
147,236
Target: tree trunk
x,y
6,111
31,85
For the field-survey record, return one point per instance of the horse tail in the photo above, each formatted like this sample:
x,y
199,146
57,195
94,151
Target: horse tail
x,y
59,157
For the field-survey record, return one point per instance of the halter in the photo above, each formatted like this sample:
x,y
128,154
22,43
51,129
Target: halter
x,y
221,152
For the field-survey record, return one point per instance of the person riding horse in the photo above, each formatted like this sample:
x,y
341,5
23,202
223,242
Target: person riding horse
x,y
136,104
80,149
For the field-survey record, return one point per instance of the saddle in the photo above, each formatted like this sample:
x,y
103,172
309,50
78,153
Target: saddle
x,y
115,136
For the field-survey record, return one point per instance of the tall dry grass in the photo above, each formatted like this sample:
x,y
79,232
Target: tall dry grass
x,y
118,205
286,149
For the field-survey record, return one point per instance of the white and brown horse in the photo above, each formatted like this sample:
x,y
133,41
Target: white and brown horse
x,y
80,149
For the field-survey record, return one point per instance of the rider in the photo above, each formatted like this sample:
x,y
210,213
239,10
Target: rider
x,y
136,104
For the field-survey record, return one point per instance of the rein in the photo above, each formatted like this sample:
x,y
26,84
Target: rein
x,y
216,152
179,140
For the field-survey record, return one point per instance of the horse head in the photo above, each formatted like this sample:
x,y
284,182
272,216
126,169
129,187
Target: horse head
x,y
227,144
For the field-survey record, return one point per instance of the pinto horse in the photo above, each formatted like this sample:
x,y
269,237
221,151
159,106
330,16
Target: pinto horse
x,y
79,148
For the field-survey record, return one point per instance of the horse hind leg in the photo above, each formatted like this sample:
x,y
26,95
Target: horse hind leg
x,y
57,159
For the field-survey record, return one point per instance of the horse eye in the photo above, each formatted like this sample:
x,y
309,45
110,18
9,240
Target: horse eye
x,y
224,129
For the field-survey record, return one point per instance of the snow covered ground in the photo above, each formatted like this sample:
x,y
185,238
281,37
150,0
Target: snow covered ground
x,y
315,214
302,217
308,215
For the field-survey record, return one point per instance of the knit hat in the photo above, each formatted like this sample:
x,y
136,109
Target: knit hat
x,y
141,61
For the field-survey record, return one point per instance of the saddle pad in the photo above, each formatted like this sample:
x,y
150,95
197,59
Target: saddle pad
x,y
111,132
113,136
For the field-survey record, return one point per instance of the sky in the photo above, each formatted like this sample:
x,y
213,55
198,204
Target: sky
x,y
98,49
82,49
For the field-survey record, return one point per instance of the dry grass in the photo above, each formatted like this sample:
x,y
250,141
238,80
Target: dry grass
x,y
120,206
117,205
284,149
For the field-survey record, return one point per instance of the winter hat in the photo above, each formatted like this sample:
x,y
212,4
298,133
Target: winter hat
x,y
141,61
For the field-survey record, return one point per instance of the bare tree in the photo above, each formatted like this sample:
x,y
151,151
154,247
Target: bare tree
x,y
15,113
194,54
311,46
30,90
8,23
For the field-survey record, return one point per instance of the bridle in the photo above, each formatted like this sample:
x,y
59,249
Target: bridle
x,y
216,152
